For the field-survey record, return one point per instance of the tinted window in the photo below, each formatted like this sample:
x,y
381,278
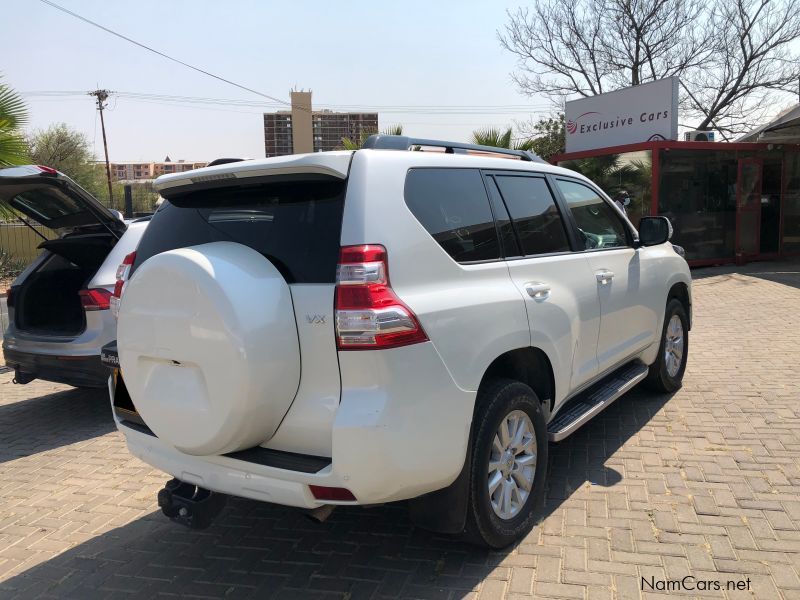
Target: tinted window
x,y
46,204
503,220
536,218
451,204
297,225
599,226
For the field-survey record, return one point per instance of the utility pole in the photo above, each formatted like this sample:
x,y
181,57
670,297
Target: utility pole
x,y
102,96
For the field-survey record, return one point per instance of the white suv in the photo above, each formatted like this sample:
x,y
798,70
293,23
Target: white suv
x,y
382,325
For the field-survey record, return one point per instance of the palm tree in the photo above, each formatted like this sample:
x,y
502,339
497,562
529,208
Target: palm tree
x,y
351,144
13,115
491,136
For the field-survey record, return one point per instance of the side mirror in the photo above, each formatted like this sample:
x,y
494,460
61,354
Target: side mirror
x,y
654,231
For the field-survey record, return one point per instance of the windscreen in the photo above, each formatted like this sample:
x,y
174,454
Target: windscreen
x,y
295,224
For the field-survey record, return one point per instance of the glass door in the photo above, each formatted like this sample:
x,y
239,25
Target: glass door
x,y
748,208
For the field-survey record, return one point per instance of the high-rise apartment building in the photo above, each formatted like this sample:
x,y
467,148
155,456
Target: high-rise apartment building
x,y
305,130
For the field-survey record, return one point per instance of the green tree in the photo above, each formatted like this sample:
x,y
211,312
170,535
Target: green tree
x,y
13,116
68,151
544,137
351,144
547,136
499,138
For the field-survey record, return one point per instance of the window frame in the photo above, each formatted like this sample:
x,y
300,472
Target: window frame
x,y
569,226
630,237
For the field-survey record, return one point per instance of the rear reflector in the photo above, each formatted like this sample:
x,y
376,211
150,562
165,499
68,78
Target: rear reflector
x,y
95,299
331,493
369,315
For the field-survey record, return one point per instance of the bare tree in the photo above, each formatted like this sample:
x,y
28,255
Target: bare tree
x,y
587,47
729,54
751,65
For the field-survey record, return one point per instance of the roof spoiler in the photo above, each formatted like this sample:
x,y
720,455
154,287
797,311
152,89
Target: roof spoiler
x,y
223,161
402,142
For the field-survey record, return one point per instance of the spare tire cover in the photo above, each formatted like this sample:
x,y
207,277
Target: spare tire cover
x,y
208,347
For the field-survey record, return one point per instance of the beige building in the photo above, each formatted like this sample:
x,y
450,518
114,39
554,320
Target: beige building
x,y
304,130
127,171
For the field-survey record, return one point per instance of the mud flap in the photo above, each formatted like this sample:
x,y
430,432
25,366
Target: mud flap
x,y
445,510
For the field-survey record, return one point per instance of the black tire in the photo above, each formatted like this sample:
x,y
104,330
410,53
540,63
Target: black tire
x,y
498,400
658,377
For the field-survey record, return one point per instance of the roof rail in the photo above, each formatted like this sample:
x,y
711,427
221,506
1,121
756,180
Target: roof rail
x,y
403,142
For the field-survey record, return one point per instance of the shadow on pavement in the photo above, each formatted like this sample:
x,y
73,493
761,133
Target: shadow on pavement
x,y
51,421
786,272
260,550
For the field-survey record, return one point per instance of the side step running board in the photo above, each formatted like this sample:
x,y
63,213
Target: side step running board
x,y
594,400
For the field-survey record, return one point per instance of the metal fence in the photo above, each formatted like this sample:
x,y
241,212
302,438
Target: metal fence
x,y
19,243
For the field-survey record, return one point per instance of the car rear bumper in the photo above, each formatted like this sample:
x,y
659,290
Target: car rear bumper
x,y
83,371
401,430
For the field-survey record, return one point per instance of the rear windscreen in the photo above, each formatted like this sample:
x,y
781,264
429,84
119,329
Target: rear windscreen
x,y
295,224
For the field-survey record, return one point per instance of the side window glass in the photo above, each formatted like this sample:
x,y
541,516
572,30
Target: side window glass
x,y
451,204
536,218
598,226
501,216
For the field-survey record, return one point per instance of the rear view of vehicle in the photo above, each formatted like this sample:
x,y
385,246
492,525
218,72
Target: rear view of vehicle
x,y
374,326
263,355
58,307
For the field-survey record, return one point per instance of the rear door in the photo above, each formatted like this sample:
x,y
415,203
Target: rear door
x,y
54,200
556,283
295,222
628,322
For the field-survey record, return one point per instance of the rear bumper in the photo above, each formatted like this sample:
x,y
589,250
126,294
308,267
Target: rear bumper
x,y
401,430
84,371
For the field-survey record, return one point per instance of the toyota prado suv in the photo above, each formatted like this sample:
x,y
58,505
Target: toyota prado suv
x,y
354,328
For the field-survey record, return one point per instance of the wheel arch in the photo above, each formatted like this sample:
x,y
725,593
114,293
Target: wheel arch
x,y
680,291
529,365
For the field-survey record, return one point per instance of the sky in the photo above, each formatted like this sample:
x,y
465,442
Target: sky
x,y
399,58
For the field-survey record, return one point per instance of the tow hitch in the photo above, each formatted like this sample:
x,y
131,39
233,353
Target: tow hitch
x,y
190,505
22,378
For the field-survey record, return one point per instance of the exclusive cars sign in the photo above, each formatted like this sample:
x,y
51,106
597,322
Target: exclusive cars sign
x,y
627,116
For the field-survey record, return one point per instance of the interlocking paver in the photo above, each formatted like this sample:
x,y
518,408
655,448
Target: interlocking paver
x,y
703,483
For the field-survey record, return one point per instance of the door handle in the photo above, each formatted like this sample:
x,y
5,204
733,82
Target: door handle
x,y
538,291
604,277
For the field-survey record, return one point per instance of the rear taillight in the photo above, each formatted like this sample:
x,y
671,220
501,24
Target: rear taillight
x,y
369,315
123,272
11,297
95,299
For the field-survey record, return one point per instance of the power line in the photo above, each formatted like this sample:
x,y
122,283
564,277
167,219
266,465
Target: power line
x,y
497,109
162,54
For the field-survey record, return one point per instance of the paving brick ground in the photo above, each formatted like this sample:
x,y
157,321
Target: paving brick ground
x,y
704,483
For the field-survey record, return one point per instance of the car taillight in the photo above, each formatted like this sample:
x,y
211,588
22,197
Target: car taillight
x,y
95,299
123,271
11,297
47,170
369,315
